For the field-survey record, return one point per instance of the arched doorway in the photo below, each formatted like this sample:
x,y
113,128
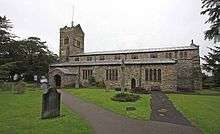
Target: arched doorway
x,y
133,83
57,79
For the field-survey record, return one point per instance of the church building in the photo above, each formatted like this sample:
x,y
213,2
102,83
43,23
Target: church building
x,y
153,68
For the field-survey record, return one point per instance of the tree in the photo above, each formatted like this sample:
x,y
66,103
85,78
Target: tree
x,y
5,39
5,26
36,57
29,56
212,64
212,9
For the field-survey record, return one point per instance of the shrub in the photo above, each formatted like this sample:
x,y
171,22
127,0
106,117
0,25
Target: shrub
x,y
92,81
125,97
155,88
101,84
119,89
184,89
6,86
140,90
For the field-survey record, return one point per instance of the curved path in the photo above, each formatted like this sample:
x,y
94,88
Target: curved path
x,y
107,122
163,110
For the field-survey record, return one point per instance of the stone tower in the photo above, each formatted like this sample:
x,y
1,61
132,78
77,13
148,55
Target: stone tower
x,y
71,42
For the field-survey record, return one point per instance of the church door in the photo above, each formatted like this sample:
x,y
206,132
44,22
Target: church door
x,y
133,83
57,80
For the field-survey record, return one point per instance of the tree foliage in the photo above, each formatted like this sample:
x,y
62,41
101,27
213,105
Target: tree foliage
x,y
212,64
212,9
29,56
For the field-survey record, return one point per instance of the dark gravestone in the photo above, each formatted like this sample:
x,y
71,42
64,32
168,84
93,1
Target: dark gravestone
x,y
50,104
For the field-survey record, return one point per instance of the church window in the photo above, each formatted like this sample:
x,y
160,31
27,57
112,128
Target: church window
x,y
87,73
176,55
146,74
167,55
112,74
159,74
102,57
134,56
170,55
77,43
155,75
106,75
89,58
76,58
181,54
66,40
117,57
185,54
151,74
153,55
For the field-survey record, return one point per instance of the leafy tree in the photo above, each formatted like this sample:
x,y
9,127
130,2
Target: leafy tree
x,y
212,64
5,39
5,26
36,57
29,56
212,9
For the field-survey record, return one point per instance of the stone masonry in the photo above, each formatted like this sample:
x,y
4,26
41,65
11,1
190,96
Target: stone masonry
x,y
166,68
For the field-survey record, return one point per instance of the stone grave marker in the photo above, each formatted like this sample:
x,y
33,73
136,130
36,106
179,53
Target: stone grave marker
x,y
44,86
50,104
19,87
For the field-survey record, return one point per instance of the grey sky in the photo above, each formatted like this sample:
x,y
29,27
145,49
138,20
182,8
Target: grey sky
x,y
111,24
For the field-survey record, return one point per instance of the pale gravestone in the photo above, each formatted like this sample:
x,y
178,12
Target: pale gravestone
x,y
50,104
44,86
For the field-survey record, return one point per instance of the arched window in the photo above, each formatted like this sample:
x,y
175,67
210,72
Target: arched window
x,y
159,74
181,54
151,74
155,75
146,75
66,40
170,55
185,54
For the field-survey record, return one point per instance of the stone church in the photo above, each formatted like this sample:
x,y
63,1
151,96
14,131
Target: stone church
x,y
162,68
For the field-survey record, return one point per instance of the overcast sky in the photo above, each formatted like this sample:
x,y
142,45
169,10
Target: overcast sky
x,y
111,24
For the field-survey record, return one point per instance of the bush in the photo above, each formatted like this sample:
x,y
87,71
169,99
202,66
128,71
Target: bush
x,y
184,89
140,90
155,88
6,86
92,81
119,89
125,97
100,84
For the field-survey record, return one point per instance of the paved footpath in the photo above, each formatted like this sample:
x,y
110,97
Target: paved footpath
x,y
106,122
164,111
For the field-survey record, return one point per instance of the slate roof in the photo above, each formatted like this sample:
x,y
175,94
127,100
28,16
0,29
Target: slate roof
x,y
64,70
191,47
119,62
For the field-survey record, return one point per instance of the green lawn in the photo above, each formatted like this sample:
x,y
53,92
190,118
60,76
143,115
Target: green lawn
x,y
202,110
103,98
20,114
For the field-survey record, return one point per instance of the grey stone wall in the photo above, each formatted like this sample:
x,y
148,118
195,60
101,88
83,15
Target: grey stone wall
x,y
66,79
74,34
168,72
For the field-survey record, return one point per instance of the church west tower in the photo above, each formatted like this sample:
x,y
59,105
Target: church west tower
x,y
71,41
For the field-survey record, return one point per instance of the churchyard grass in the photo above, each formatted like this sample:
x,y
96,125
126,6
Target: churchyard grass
x,y
21,114
102,98
202,109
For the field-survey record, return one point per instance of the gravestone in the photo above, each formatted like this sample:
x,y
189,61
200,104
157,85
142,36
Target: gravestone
x,y
50,104
44,86
19,87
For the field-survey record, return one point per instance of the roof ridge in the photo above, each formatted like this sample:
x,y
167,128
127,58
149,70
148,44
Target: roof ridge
x,y
140,50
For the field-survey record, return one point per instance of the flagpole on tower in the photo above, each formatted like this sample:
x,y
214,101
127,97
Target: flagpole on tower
x,y
72,22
